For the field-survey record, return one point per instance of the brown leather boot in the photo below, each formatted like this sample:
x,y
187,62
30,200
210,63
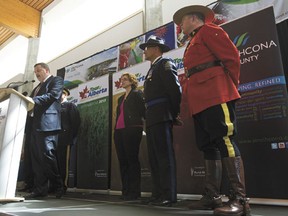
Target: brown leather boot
x,y
238,203
211,198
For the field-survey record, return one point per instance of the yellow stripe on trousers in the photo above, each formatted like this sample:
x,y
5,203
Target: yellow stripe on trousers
x,y
230,129
67,166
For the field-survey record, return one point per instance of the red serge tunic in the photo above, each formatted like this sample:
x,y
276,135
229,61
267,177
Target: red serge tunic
x,y
214,85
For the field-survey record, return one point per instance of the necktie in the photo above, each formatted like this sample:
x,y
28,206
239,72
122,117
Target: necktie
x,y
37,89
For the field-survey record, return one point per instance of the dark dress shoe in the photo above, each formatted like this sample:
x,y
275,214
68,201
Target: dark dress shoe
x,y
59,193
27,189
151,200
34,195
131,198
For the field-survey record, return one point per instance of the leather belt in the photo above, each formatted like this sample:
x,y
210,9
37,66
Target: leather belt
x,y
155,101
202,67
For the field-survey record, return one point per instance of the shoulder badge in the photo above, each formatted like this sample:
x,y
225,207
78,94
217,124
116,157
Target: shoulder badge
x,y
168,65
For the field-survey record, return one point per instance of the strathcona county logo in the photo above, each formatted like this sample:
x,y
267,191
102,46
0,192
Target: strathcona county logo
x,y
250,53
241,40
93,91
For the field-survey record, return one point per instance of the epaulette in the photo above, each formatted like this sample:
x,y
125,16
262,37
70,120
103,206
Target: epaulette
x,y
168,65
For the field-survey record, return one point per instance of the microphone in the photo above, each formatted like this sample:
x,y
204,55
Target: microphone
x,y
19,83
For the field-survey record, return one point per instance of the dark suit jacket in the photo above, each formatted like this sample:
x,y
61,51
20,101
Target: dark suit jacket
x,y
134,108
162,83
47,109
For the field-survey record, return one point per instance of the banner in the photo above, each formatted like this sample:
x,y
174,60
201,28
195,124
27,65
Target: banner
x,y
167,32
91,68
93,140
227,10
130,52
74,96
262,110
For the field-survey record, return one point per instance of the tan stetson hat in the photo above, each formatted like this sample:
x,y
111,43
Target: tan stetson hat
x,y
207,12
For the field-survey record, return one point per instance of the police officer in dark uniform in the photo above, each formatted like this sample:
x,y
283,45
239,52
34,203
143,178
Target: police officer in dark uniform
x,y
162,94
70,120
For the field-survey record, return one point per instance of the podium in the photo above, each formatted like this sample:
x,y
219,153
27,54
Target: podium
x,y
13,113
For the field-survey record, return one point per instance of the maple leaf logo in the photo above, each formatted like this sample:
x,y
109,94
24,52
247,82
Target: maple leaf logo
x,y
118,83
84,94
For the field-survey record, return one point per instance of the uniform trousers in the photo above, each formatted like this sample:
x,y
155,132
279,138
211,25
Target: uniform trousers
x,y
127,143
44,161
215,130
63,156
162,161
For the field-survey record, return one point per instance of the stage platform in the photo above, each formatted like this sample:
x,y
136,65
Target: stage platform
x,y
91,204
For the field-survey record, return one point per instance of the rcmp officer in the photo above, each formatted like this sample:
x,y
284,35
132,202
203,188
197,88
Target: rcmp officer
x,y
162,94
212,67
70,122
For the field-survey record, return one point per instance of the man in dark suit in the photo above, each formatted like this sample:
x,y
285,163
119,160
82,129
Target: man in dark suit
x,y
162,93
46,124
70,121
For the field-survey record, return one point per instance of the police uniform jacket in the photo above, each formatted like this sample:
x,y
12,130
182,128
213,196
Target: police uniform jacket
x,y
70,121
214,85
162,92
46,113
134,108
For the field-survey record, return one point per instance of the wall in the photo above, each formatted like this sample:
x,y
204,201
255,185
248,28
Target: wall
x,y
127,29
13,60
169,7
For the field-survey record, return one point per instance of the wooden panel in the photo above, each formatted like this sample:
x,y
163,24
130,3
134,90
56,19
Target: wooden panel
x,y
37,4
19,17
5,34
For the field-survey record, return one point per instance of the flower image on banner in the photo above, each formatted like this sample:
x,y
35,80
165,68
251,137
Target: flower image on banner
x,y
167,32
130,52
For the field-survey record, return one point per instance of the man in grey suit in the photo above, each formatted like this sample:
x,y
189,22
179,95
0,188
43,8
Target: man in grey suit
x,y
45,126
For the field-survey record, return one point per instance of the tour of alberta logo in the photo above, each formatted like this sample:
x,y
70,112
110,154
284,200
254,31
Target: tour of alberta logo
x,y
93,91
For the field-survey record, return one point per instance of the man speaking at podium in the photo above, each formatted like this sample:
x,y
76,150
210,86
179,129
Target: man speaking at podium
x,y
46,124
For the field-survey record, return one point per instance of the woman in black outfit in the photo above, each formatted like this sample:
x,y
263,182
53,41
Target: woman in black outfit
x,y
128,134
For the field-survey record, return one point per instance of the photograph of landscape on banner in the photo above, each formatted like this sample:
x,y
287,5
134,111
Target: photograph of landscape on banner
x,y
95,66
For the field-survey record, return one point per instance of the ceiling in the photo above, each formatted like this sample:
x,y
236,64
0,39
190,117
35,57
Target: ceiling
x,y
20,17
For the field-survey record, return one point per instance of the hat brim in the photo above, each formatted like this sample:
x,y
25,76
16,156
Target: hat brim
x,y
163,47
207,12
66,92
